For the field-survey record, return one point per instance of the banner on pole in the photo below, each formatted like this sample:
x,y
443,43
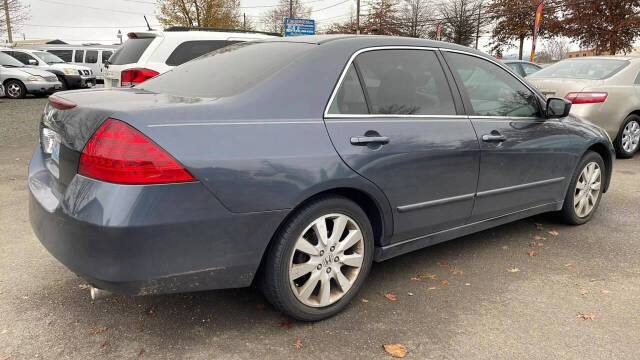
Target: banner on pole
x,y
536,27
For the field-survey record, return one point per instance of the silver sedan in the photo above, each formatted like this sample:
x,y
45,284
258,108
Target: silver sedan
x,y
19,80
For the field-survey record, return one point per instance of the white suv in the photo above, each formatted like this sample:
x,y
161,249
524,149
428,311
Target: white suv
x,y
149,53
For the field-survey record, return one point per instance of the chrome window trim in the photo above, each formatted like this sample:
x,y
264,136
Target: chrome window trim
x,y
344,73
383,116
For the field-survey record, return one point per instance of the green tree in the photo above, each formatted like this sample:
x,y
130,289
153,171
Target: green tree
x,y
207,13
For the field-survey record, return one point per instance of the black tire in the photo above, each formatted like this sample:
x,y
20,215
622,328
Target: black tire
x,y
620,151
568,212
275,277
22,90
64,85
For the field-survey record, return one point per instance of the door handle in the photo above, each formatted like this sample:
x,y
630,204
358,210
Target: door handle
x,y
493,138
365,140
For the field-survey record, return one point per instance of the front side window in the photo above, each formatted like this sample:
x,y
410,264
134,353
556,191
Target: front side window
x,y
106,55
491,90
91,57
78,56
65,55
349,99
409,82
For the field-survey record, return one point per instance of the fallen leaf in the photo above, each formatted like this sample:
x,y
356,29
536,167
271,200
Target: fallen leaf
x,y
457,272
532,253
505,247
298,344
106,343
586,316
431,288
260,306
410,293
539,226
188,297
467,284
140,329
428,276
415,279
568,265
4,331
396,350
4,357
365,300
390,297
553,232
538,238
286,324
151,310
443,264
140,352
99,330
605,291
84,286
536,244
513,270
583,292
444,282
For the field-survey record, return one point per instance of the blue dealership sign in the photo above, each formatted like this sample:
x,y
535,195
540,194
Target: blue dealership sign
x,y
295,27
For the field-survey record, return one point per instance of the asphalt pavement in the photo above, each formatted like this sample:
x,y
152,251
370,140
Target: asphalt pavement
x,y
532,289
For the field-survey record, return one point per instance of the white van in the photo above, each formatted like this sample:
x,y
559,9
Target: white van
x,y
89,56
149,53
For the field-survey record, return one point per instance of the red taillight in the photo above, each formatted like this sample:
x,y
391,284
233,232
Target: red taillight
x,y
60,103
586,97
118,153
132,35
132,77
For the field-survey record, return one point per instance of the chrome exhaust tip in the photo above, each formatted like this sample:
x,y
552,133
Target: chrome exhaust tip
x,y
97,294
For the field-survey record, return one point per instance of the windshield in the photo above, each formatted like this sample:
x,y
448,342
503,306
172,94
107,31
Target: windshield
x,y
593,69
48,57
227,71
9,61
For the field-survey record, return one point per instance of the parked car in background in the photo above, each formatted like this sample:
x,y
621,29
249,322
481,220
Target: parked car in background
x,y
20,80
149,53
89,56
604,90
521,67
297,162
71,76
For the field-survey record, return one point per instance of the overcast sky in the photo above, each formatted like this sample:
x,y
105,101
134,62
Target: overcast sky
x,y
80,21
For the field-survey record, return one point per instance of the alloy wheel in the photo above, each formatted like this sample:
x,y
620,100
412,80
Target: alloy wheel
x,y
14,90
631,136
587,189
326,260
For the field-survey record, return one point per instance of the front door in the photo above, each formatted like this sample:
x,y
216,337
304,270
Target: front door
x,y
523,161
394,120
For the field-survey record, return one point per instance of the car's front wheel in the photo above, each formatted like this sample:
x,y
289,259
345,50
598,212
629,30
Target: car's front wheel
x,y
319,259
583,197
14,89
628,139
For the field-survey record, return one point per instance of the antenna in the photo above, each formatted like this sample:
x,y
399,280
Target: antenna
x,y
147,21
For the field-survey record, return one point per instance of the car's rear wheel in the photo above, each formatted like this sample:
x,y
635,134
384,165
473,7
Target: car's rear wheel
x,y
628,139
319,259
583,197
14,89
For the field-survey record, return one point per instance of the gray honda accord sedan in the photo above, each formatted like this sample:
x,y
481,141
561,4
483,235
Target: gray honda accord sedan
x,y
295,163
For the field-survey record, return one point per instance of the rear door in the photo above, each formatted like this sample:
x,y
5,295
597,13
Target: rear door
x,y
524,156
395,120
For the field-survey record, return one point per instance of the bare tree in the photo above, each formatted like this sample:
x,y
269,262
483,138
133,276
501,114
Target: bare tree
x,y
460,17
273,20
414,18
17,12
556,48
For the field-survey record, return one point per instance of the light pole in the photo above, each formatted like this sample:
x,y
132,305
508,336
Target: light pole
x,y
119,36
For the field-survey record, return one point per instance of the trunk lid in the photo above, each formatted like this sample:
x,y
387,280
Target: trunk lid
x,y
558,87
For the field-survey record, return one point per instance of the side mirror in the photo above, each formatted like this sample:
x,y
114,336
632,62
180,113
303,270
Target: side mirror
x,y
33,62
557,108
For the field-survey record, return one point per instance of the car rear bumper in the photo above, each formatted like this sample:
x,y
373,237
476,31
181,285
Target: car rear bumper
x,y
146,239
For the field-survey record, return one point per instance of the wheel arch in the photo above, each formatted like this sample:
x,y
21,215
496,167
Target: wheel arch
x,y
604,151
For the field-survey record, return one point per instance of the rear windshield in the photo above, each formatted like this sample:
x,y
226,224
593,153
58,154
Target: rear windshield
x,y
190,50
130,51
228,71
593,69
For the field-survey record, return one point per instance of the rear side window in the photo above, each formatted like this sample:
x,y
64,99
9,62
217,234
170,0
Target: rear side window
x,y
65,55
409,82
190,50
91,57
349,98
78,56
228,71
583,69
106,55
130,51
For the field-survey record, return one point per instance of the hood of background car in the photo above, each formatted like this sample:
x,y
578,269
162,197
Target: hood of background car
x,y
34,71
68,66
